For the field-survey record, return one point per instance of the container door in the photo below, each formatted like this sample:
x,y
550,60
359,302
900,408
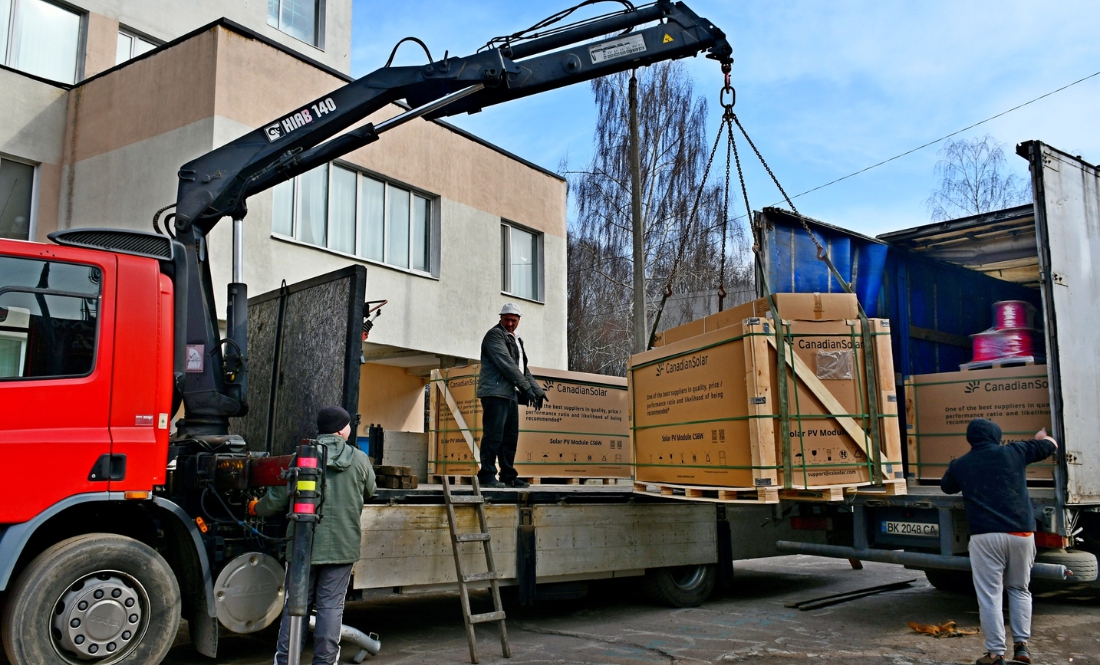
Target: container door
x,y
1067,217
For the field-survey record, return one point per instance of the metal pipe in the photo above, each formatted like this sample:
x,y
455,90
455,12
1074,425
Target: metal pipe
x,y
238,250
399,120
368,643
294,644
1044,571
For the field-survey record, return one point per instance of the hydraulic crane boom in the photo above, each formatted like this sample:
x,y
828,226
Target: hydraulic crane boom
x,y
213,385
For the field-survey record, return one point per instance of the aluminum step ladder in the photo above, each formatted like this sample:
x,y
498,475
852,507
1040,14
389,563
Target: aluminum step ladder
x,y
476,501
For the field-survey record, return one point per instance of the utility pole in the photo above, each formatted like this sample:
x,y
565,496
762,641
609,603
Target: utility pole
x,y
640,336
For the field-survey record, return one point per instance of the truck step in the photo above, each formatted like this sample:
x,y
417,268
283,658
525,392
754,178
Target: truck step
x,y
488,616
480,577
472,538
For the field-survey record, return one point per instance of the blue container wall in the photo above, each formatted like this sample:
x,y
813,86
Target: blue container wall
x,y
795,268
904,287
928,294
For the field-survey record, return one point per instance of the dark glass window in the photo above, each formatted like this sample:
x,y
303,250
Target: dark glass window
x,y
49,318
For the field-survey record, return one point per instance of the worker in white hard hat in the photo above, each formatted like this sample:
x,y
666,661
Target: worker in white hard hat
x,y
505,382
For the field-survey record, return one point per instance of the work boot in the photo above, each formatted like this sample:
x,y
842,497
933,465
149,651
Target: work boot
x,y
519,484
990,659
493,484
1020,654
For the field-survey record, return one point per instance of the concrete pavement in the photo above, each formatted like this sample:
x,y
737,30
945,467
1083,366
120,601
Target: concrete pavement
x,y
615,624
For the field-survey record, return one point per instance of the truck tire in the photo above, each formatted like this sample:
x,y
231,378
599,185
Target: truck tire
x,y
952,581
1082,564
93,599
681,586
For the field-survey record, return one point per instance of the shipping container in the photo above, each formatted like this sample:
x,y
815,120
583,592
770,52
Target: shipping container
x,y
937,285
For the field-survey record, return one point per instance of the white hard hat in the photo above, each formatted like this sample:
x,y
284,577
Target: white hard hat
x,y
509,308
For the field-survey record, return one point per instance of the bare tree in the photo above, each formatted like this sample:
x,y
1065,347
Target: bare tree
x,y
973,180
674,153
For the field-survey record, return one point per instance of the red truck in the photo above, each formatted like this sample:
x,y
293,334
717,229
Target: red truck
x,y
118,521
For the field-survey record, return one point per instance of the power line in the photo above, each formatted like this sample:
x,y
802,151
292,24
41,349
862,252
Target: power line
x,y
942,138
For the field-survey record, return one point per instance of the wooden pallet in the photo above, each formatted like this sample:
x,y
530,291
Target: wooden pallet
x,y
818,494
709,494
898,487
437,479
396,477
998,364
560,480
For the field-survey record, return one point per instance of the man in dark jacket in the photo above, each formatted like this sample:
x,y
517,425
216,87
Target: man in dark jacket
x,y
349,479
504,378
992,478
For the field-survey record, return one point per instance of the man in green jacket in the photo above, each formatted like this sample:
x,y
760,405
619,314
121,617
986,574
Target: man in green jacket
x,y
349,478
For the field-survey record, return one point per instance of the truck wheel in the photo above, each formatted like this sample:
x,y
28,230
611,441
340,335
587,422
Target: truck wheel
x,y
681,586
97,598
952,581
1082,564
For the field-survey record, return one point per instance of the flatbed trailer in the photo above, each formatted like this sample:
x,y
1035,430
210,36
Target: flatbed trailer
x,y
552,534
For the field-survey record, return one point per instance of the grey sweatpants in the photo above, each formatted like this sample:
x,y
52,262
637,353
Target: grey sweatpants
x,y
1001,561
328,585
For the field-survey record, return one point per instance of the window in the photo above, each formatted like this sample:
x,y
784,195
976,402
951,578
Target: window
x,y
520,263
16,191
49,313
298,18
350,212
131,45
40,38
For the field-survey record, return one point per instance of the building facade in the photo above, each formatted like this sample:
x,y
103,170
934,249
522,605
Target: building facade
x,y
448,226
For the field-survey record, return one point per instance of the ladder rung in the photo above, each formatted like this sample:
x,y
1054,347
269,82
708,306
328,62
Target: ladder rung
x,y
488,616
471,537
471,498
481,577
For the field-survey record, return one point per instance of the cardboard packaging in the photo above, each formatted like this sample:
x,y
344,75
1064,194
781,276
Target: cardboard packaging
x,y
800,306
583,432
705,409
940,406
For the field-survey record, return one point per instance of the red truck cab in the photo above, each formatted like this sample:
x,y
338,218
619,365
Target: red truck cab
x,y
85,374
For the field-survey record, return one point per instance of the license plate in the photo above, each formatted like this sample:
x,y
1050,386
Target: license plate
x,y
911,529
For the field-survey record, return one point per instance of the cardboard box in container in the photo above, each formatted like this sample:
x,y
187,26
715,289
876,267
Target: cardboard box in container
x,y
802,306
940,406
582,432
705,409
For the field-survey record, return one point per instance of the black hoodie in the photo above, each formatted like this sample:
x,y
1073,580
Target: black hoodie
x,y
993,479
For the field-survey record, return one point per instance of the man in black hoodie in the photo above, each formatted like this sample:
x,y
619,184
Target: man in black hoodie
x,y
993,480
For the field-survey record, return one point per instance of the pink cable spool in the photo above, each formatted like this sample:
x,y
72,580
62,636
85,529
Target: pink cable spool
x,y
1017,342
987,345
1008,314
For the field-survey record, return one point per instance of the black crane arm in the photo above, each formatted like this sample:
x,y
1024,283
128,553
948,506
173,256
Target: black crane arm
x,y
218,184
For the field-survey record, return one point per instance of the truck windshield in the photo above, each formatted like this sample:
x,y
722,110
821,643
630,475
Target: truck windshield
x,y
49,313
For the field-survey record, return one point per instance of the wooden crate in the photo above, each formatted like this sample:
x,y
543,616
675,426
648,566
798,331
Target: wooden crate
x,y
940,406
705,410
581,433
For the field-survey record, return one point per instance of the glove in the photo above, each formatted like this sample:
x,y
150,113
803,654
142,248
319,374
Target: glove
x,y
531,397
540,400
252,506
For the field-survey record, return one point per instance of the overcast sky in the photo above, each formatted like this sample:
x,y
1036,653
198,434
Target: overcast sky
x,y
824,88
